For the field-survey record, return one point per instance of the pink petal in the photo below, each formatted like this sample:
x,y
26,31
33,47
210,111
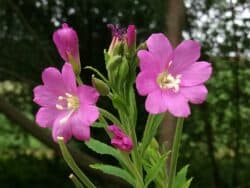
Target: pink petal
x,y
184,55
148,62
177,104
66,41
44,97
116,131
69,79
159,45
88,114
146,82
155,102
45,116
117,142
87,94
196,74
131,36
80,132
52,79
195,94
60,129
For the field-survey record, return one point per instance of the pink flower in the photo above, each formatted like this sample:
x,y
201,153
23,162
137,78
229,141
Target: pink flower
x,y
172,77
120,139
66,41
67,109
131,36
121,35
117,31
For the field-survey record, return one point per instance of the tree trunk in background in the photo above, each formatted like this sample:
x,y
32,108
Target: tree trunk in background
x,y
174,21
236,101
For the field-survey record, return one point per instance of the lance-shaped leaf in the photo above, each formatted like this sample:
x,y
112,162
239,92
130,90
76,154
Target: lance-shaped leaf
x,y
115,171
181,178
102,148
155,169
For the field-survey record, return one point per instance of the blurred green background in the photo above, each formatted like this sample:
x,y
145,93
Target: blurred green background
x,y
216,140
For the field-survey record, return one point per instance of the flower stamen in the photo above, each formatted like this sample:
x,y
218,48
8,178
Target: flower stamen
x,y
72,102
167,81
59,107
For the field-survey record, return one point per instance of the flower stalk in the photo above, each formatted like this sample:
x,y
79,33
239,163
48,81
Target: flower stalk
x,y
175,152
76,182
72,164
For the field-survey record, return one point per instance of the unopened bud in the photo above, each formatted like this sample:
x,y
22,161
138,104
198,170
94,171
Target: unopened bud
x,y
100,86
75,65
118,48
131,36
113,63
124,68
66,41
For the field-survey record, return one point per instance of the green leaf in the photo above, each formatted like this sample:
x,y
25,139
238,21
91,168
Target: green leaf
x,y
155,169
181,179
97,72
187,184
115,171
102,148
119,104
99,125
109,116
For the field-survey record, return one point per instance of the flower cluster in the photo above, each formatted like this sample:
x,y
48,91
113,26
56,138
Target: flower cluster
x,y
169,78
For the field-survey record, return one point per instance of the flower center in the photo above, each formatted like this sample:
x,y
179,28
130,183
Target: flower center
x,y
68,102
167,81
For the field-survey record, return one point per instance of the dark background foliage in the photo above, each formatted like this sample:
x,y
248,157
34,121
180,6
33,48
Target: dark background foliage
x,y
216,137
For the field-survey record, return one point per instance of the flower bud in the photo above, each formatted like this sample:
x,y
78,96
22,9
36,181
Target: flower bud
x,y
100,86
131,36
118,36
114,63
120,139
66,41
123,69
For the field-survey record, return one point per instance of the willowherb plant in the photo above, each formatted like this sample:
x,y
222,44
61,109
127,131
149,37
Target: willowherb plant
x,y
170,78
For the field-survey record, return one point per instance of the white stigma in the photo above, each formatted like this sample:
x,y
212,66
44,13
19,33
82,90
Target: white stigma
x,y
68,102
167,81
66,117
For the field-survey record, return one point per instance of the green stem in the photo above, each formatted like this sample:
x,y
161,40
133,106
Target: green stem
x,y
97,72
150,131
133,170
175,152
79,80
76,182
109,116
72,164
135,152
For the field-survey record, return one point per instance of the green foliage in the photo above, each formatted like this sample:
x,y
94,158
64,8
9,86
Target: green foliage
x,y
26,48
155,169
115,171
102,148
181,180
153,163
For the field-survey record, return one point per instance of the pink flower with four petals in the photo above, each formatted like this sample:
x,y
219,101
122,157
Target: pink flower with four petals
x,y
67,109
171,78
